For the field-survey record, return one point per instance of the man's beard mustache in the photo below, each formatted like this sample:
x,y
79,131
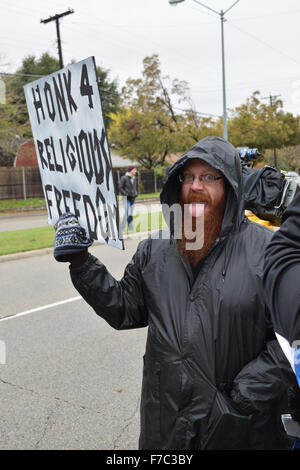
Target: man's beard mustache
x,y
213,217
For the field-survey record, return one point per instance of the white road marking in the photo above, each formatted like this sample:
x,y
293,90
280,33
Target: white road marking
x,y
44,307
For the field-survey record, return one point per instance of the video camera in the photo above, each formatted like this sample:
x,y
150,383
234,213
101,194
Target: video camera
x,y
247,155
267,191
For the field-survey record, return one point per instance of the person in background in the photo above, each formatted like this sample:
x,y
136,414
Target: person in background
x,y
128,189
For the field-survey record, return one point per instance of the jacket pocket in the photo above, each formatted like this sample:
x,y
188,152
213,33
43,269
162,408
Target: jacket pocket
x,y
174,400
226,429
150,407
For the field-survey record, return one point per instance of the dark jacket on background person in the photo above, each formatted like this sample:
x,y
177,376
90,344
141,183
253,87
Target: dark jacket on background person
x,y
128,186
214,375
282,274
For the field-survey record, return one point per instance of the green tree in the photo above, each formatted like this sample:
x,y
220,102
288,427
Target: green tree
x,y
30,70
196,127
140,137
15,126
14,121
288,158
110,96
12,130
149,126
33,68
263,125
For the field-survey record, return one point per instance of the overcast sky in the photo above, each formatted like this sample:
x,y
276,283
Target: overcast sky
x,y
262,42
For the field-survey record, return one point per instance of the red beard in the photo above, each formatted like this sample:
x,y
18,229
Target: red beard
x,y
213,217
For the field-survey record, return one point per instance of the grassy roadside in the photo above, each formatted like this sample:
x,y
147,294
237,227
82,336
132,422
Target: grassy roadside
x,y
17,241
147,196
12,204
19,203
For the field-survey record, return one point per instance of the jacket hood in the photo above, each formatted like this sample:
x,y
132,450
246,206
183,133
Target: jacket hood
x,y
221,155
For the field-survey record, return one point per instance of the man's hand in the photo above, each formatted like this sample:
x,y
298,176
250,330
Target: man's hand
x,y
71,242
77,259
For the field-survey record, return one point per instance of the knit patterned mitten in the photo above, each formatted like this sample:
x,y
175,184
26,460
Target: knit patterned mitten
x,y
70,237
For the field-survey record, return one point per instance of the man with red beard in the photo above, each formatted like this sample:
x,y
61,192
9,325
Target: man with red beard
x,y
214,375
203,194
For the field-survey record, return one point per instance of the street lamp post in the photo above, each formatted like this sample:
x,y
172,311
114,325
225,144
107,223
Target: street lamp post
x,y
225,133
222,18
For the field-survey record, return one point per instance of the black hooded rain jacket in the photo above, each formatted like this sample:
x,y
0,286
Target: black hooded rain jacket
x,y
214,377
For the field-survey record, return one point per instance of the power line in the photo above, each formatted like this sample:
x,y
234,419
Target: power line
x,y
264,43
238,85
267,15
270,97
198,112
21,74
94,31
103,91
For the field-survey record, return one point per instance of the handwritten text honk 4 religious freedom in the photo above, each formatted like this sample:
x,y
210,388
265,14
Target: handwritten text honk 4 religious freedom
x,y
67,122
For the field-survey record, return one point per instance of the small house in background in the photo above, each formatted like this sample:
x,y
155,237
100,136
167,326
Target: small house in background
x,y
27,158
172,158
23,180
26,155
121,163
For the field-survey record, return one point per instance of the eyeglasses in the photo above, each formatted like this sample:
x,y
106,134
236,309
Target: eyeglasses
x,y
188,178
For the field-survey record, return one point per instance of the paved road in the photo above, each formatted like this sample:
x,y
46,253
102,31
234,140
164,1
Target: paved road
x,y
70,381
34,219
22,221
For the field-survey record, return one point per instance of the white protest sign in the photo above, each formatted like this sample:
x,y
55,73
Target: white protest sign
x,y
71,144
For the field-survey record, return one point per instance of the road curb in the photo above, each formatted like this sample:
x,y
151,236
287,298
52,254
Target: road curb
x,y
22,210
48,251
25,254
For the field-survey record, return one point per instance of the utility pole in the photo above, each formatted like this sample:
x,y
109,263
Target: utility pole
x,y
225,132
271,97
56,18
